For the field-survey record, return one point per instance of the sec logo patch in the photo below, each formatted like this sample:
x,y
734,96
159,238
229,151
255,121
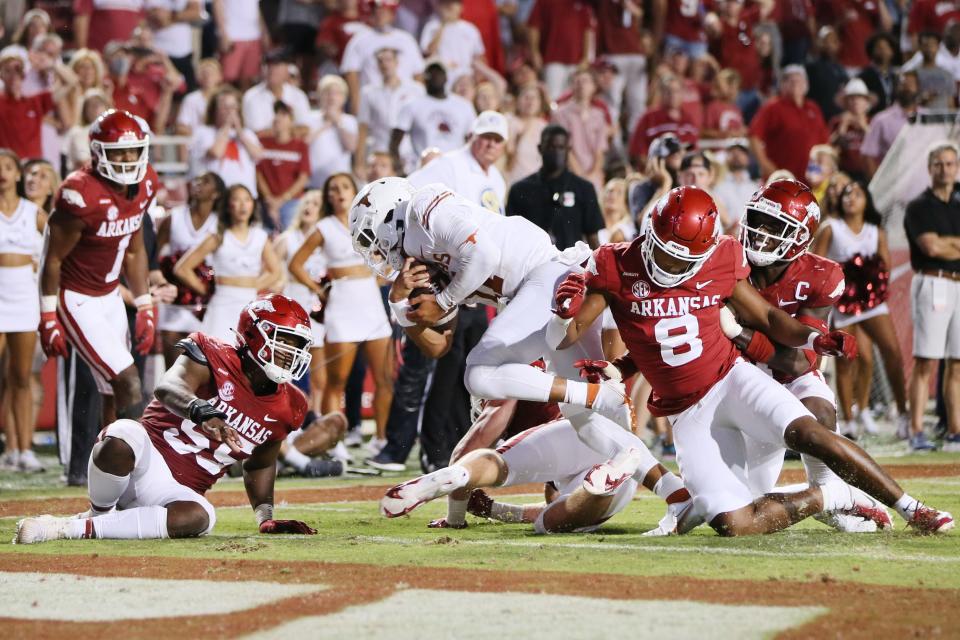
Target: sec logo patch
x,y
641,289
226,391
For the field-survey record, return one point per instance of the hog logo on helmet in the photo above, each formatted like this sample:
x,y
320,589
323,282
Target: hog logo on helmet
x,y
377,223
779,222
116,131
685,226
276,331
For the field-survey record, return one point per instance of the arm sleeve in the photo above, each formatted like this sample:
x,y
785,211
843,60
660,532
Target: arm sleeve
x,y
478,252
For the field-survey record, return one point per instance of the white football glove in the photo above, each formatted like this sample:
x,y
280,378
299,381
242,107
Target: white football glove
x,y
728,323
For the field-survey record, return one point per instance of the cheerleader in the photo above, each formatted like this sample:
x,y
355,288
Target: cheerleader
x,y
620,227
354,313
856,240
40,183
286,246
21,228
243,263
185,228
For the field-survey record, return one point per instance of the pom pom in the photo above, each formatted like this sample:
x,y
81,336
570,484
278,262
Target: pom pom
x,y
867,279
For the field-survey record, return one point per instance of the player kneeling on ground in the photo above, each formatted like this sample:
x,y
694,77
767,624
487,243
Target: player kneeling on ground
x,y
217,404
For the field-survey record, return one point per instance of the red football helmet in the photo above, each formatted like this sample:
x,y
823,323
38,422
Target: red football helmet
x,y
685,225
276,330
116,129
778,222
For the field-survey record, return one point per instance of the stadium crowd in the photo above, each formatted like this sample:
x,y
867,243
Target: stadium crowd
x,y
268,118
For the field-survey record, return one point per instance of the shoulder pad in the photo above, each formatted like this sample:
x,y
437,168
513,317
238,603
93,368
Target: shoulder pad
x,y
192,350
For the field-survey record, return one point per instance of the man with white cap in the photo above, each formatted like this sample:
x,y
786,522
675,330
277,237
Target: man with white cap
x,y
470,170
849,128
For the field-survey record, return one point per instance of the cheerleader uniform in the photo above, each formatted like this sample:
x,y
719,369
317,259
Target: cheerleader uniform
x,y
316,266
233,259
851,250
629,230
183,238
354,310
19,297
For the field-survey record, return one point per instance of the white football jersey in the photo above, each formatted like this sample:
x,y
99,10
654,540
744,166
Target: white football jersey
x,y
488,256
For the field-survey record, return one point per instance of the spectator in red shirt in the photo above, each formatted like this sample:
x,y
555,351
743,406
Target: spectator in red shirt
x,y
483,14
734,48
621,41
283,168
797,22
849,128
786,128
555,48
337,28
931,15
723,118
668,118
855,21
22,116
678,24
97,22
144,82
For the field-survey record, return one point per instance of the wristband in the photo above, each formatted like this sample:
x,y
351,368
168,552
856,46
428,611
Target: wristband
x,y
263,512
399,310
199,411
146,300
48,303
760,349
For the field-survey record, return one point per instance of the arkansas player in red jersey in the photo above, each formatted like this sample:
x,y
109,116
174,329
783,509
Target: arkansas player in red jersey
x,y
776,229
218,404
665,290
94,235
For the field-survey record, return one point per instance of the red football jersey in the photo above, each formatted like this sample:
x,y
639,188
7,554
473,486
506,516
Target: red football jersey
x,y
110,220
531,414
672,334
808,283
197,462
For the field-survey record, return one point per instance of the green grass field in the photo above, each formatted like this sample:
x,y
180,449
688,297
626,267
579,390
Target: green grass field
x,y
352,533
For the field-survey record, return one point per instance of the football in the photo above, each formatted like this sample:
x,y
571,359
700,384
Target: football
x,y
438,280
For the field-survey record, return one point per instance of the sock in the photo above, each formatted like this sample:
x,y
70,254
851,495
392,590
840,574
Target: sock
x,y
836,496
296,459
518,381
456,511
818,473
511,513
104,488
670,488
906,506
141,523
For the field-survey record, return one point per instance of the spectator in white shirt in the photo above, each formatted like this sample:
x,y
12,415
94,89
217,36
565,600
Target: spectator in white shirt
x,y
223,145
359,66
457,42
170,21
471,170
379,106
259,99
333,133
242,39
193,109
433,120
736,187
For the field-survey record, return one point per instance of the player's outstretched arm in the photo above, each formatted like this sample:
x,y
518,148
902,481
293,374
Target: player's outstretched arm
x,y
575,309
259,474
756,313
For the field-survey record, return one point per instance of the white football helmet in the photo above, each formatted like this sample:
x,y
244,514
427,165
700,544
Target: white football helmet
x,y
377,223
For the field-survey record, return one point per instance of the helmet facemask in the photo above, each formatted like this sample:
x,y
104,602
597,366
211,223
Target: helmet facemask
x,y
767,234
126,173
661,276
381,245
280,360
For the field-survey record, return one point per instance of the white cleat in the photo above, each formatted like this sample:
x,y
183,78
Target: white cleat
x,y
41,529
668,523
861,506
846,523
927,520
404,498
604,479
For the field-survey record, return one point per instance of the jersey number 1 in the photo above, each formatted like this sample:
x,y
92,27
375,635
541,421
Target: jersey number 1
x,y
679,340
118,261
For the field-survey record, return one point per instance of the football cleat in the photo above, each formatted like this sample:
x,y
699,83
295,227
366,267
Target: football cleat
x,y
41,529
926,520
404,498
668,523
604,479
442,523
846,523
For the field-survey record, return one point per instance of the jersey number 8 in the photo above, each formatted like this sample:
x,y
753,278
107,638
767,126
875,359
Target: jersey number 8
x,y
679,339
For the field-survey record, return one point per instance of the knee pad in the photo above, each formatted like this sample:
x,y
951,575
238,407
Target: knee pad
x,y
131,432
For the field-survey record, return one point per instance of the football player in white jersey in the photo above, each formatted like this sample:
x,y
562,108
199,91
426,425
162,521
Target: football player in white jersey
x,y
510,263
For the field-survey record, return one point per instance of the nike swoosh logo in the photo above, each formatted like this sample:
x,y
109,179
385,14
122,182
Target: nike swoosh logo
x,y
784,303
701,285
268,419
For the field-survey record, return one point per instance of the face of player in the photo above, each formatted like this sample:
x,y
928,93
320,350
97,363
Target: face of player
x,y
241,206
9,175
340,194
38,183
767,226
673,266
487,148
285,358
124,154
